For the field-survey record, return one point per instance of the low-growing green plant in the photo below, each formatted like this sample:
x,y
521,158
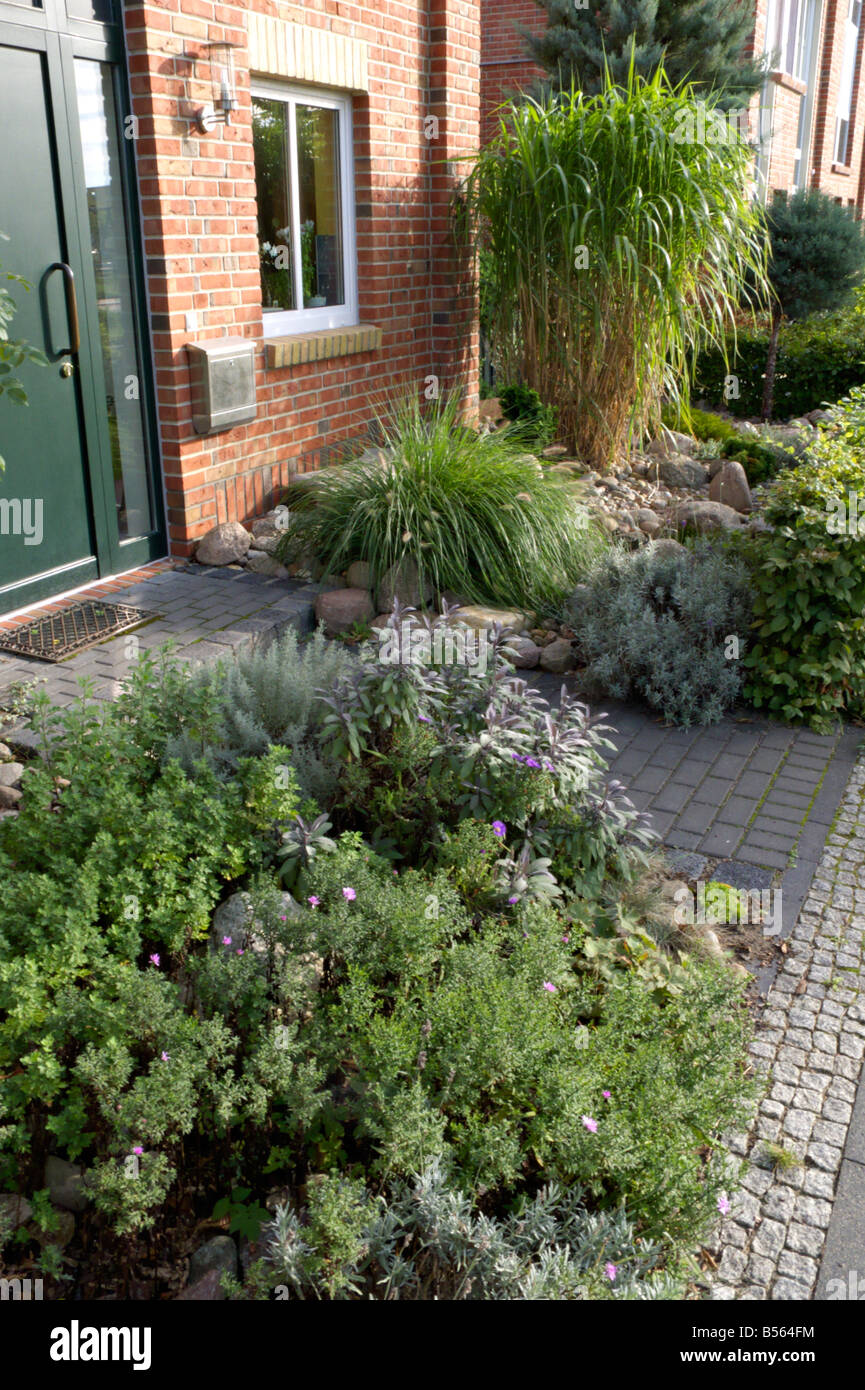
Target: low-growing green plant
x,y
427,1240
534,421
806,661
702,424
759,458
472,512
657,627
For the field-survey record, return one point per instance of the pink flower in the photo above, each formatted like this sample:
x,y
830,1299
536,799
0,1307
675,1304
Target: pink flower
x,y
723,1204
610,1271
154,960
591,1125
313,900
606,1094
138,1149
566,939
514,899
165,1057
551,989
239,952
349,894
226,941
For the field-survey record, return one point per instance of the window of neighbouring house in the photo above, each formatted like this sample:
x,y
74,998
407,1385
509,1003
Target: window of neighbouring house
x,y
845,89
305,190
790,36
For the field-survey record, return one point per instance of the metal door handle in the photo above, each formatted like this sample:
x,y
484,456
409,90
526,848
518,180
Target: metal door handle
x,y
71,307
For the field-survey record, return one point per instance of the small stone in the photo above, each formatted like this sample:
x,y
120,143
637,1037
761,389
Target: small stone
x,y
402,582
207,1289
11,774
260,562
217,1255
769,1239
340,609
65,1185
225,544
480,619
359,575
523,653
15,1210
648,521
5,753
668,546
9,798
558,657
680,471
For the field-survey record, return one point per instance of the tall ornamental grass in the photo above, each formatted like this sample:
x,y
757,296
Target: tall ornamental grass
x,y
620,235
476,513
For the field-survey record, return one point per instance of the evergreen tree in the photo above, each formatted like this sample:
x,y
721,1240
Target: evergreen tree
x,y
702,41
816,260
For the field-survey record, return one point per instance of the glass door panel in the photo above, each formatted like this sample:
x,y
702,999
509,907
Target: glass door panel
x,y
124,395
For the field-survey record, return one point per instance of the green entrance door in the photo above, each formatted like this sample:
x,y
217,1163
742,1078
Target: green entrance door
x,y
78,497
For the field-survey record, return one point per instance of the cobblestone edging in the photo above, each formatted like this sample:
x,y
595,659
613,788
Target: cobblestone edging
x,y
810,1040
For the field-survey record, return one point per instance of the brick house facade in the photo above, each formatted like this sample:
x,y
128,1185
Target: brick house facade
x,y
400,64
308,214
817,84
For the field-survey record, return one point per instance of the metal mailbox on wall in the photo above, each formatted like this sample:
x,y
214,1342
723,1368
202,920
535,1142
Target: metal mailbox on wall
x,y
223,383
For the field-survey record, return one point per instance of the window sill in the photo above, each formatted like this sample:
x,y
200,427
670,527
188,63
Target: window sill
x,y
294,349
793,84
842,169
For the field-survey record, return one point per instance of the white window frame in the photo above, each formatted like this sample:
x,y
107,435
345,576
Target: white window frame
x,y
780,38
286,322
845,87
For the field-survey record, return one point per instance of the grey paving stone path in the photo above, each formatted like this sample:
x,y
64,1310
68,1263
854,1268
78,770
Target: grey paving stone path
x,y
796,1230
205,615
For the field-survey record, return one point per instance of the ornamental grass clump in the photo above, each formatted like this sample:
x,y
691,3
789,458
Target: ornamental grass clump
x,y
620,235
474,512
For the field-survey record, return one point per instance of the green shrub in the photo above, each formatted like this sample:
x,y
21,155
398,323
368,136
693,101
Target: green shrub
x,y
702,424
615,247
426,747
260,698
495,1063
655,627
819,360
759,459
534,421
807,656
474,514
428,1240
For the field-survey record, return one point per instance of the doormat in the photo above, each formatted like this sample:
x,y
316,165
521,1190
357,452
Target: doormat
x,y
81,625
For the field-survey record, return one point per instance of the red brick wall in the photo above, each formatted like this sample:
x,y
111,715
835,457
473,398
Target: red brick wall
x,y
505,66
199,225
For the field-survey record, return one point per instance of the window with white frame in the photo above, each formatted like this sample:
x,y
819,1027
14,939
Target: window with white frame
x,y
302,142
790,35
845,89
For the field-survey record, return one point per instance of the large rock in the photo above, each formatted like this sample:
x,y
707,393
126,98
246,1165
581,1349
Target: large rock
x,y
558,657
667,546
65,1183
708,516
9,798
730,486
216,1256
207,1289
680,471
359,575
15,1210
224,545
5,753
402,582
481,619
11,774
523,653
340,609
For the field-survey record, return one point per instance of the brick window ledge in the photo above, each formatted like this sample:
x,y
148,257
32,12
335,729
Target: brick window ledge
x,y
294,349
842,169
786,79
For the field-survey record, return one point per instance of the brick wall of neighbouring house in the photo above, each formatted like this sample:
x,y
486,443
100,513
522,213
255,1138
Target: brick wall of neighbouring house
x,y
505,65
404,60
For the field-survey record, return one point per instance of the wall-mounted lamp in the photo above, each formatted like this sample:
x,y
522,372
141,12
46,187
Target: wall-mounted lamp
x,y
221,58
